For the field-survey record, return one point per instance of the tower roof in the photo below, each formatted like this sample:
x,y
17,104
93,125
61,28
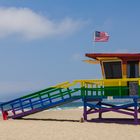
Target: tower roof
x,y
122,56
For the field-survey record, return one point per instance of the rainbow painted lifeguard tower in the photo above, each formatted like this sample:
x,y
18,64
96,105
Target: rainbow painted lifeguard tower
x,y
120,81
121,72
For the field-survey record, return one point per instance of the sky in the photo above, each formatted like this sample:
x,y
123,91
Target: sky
x,y
43,42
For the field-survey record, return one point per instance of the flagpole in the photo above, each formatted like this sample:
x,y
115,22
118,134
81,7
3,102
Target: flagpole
x,y
94,43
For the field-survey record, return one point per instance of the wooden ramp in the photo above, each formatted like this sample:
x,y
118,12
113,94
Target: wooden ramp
x,y
38,101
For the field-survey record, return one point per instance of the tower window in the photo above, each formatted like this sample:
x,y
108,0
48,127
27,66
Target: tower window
x,y
112,70
132,69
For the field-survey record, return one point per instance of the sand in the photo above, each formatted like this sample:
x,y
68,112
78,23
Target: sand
x,y
65,125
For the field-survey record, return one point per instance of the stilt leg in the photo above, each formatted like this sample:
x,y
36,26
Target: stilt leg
x,y
100,110
85,111
135,111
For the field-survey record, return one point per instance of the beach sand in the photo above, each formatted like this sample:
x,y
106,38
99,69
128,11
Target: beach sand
x,y
65,125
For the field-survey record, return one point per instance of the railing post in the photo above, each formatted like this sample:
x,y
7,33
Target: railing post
x,y
101,88
69,92
49,98
138,87
13,111
21,105
120,88
31,104
61,93
97,93
41,99
82,90
91,89
86,90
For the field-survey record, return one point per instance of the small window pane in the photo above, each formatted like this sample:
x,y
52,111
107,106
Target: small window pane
x,y
132,69
112,70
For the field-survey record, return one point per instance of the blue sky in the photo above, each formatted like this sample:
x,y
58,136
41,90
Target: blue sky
x,y
43,42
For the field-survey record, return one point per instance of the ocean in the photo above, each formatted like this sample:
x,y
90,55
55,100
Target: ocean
x,y
72,105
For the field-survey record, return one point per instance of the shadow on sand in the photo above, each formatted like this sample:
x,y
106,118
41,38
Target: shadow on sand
x,y
126,121
58,120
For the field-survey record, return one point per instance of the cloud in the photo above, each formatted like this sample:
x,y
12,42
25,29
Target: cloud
x,y
31,25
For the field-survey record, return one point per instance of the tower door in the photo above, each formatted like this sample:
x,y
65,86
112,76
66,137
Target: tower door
x,y
133,69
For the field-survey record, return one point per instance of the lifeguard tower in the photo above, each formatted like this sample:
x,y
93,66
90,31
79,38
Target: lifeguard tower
x,y
121,72
120,81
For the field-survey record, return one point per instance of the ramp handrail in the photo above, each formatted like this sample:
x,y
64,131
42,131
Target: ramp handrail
x,y
102,82
106,87
41,99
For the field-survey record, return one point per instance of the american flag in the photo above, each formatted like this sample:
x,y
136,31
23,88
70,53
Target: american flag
x,y
101,36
